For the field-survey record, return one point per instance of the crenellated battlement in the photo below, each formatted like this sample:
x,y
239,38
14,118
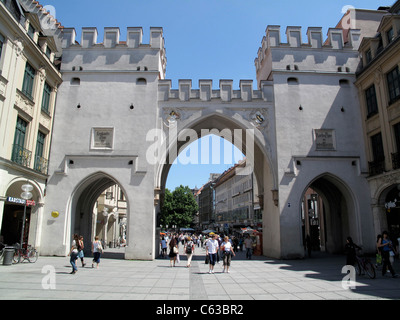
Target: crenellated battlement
x,y
207,93
338,40
111,38
114,54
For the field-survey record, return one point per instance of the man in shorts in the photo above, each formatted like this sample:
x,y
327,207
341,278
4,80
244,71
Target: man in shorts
x,y
212,247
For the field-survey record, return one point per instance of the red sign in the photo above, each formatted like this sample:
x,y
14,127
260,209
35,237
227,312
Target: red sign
x,y
30,203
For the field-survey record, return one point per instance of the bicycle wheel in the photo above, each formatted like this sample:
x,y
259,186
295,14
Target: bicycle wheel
x,y
32,255
17,256
358,268
370,269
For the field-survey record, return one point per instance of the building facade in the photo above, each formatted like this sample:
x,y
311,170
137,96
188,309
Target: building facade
x,y
205,198
235,201
30,45
378,83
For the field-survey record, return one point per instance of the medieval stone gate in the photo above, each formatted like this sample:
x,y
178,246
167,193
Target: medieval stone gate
x,y
119,121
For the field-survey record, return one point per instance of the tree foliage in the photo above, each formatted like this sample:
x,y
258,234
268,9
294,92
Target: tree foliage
x,y
179,207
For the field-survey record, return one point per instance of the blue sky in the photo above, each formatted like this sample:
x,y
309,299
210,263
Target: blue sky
x,y
205,39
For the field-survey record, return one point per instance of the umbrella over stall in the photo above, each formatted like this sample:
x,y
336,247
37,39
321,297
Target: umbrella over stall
x,y
208,231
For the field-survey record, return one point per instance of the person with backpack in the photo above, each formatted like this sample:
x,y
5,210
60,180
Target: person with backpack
x,y
189,250
386,246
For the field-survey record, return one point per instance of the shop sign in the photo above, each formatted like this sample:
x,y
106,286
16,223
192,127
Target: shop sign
x,y
30,203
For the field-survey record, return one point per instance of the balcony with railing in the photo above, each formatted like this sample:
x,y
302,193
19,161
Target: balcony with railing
x,y
41,164
396,160
376,167
21,156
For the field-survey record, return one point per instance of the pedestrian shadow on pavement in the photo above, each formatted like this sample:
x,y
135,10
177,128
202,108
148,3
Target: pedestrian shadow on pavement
x,y
328,267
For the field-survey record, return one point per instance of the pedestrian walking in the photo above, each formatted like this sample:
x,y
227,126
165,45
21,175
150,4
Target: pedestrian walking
x,y
73,253
97,249
248,244
173,250
386,246
351,251
227,252
163,247
378,251
235,244
212,251
241,244
189,250
81,255
178,258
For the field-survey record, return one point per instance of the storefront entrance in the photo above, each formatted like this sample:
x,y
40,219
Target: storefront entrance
x,y
12,224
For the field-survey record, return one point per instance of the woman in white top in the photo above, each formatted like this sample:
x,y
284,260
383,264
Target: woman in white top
x,y
227,252
73,253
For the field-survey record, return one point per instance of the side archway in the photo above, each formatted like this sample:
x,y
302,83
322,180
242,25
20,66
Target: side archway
x,y
329,214
389,211
82,207
12,218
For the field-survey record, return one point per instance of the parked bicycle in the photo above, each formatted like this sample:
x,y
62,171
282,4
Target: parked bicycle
x,y
28,253
365,265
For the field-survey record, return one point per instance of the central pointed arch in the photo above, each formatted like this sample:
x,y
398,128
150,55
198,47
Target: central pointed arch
x,y
257,149
221,124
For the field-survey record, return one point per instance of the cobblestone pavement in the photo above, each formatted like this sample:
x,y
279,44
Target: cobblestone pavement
x,y
316,278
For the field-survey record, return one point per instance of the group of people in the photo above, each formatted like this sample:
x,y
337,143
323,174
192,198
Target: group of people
x,y
385,249
226,249
76,252
173,244
216,248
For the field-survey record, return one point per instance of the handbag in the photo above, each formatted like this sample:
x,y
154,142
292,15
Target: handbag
x,y
378,258
227,253
176,250
207,261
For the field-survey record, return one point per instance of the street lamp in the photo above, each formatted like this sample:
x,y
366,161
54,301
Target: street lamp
x,y
26,195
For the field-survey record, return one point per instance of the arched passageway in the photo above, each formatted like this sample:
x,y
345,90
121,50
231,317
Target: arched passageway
x,y
95,211
249,141
328,215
